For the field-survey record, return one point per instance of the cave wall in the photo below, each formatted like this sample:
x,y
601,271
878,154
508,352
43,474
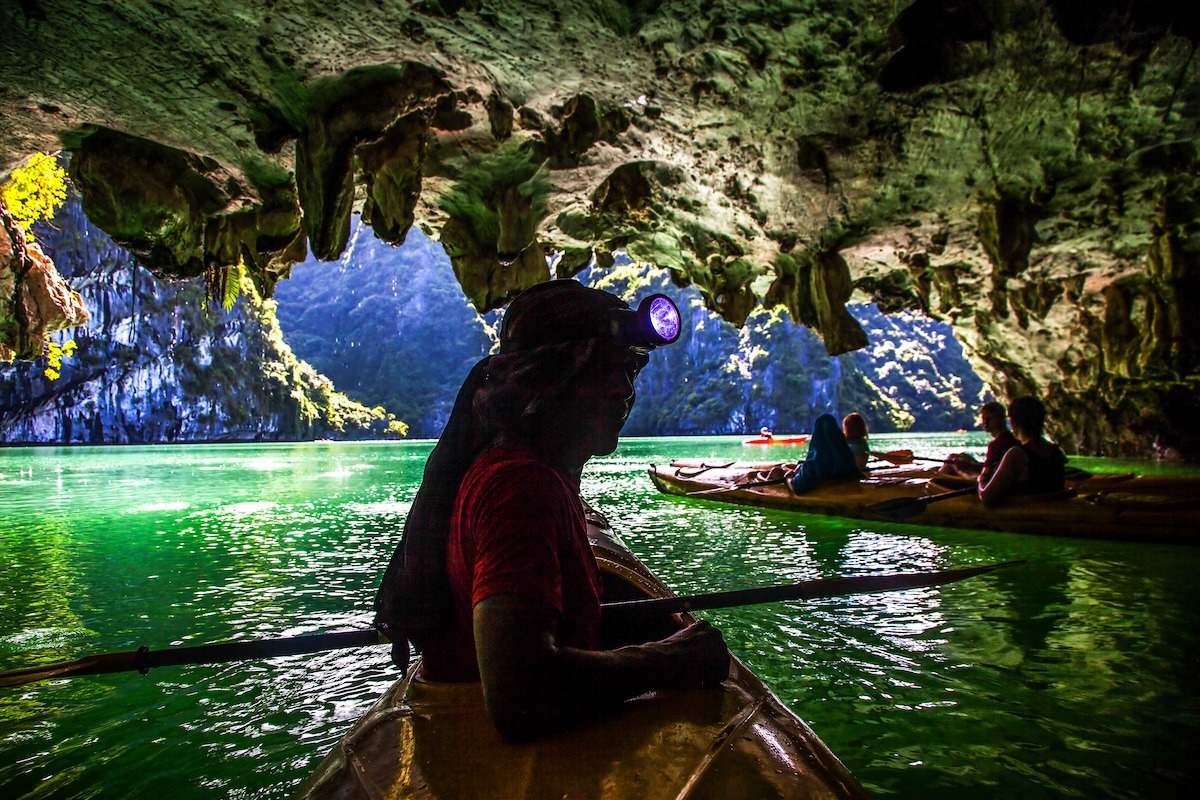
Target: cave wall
x,y
1022,168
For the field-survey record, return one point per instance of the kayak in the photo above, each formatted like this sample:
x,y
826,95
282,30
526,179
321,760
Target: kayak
x,y
777,440
1127,507
735,742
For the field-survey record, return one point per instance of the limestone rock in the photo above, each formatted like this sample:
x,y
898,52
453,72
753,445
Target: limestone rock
x,y
1024,169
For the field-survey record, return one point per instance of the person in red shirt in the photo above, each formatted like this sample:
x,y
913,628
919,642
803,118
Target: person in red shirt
x,y
494,579
991,419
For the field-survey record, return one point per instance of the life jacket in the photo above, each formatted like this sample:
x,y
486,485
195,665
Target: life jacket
x,y
1047,471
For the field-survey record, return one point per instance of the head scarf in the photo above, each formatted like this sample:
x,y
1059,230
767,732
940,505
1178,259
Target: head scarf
x,y
829,457
548,335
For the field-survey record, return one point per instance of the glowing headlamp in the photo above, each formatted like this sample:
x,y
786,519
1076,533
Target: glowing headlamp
x,y
655,322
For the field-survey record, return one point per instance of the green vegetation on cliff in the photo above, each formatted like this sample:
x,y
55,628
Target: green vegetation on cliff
x,y
155,363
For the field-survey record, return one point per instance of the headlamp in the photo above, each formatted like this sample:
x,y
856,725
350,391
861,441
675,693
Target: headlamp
x,y
655,322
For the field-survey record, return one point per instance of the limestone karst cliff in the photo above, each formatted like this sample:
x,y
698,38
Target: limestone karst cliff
x,y
154,364
1025,169
391,327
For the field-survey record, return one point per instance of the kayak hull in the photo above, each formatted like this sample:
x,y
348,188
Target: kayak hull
x,y
793,440
1119,507
434,740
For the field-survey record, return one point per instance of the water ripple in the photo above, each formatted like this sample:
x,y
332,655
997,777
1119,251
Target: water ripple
x,y
1069,677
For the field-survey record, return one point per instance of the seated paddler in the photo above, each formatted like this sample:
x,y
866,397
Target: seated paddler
x,y
829,458
494,580
1035,465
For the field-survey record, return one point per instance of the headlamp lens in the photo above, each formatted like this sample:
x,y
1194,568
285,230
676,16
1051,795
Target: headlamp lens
x,y
662,318
655,322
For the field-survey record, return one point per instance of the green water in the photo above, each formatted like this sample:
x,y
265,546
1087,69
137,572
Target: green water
x,y
1075,676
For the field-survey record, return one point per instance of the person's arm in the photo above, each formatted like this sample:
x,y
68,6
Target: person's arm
x,y
961,464
1001,483
532,685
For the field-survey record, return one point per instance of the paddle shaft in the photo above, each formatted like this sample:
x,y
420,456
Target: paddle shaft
x,y
904,507
143,659
902,457
805,590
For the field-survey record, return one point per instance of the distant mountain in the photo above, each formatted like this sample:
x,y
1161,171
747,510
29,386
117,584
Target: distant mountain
x,y
390,326
154,364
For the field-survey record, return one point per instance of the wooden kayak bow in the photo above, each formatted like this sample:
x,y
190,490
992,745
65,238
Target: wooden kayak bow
x,y
143,659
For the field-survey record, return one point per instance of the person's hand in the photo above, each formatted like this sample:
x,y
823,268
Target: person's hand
x,y
698,655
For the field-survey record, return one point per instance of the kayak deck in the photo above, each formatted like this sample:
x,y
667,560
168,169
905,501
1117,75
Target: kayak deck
x,y
738,740
1121,507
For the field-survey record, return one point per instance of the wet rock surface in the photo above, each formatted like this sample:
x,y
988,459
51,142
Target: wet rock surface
x,y
1025,169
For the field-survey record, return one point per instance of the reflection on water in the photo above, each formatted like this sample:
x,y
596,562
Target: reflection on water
x,y
1071,676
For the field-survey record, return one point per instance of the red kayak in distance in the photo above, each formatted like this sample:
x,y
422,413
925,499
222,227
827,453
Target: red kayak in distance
x,y
777,440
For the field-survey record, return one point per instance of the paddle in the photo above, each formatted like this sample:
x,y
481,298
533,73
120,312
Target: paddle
x,y
905,507
804,590
143,659
895,457
902,457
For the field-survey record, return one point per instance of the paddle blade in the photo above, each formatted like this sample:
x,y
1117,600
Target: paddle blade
x,y
898,457
904,507
89,665
717,490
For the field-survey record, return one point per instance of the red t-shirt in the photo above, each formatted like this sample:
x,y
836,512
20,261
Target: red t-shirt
x,y
518,528
997,448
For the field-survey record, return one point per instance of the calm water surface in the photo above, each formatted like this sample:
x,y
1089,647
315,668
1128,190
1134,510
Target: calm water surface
x,y
1075,676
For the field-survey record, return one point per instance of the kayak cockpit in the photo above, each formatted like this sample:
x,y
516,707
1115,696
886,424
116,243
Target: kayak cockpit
x,y
737,740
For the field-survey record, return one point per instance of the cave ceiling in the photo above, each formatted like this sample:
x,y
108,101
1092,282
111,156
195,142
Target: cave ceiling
x,y
1025,169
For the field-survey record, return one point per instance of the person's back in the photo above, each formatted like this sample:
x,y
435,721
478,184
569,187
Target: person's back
x,y
1045,468
518,528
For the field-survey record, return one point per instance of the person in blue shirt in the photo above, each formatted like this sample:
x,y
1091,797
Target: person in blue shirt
x,y
829,457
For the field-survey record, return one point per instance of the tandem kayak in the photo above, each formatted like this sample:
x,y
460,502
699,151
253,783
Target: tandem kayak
x,y
736,741
1120,507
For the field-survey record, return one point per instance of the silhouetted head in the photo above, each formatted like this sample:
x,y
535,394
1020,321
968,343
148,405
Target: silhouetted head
x,y
1028,416
992,417
568,358
854,426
